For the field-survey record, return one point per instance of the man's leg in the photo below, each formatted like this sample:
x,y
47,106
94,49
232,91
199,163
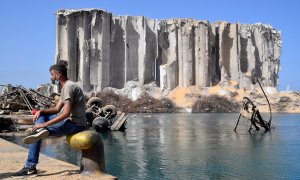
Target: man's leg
x,y
64,127
34,149
29,169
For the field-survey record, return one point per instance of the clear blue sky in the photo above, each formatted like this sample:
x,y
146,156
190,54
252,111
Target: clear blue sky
x,y
27,29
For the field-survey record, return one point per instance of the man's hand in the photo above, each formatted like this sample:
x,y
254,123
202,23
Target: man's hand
x,y
37,126
36,116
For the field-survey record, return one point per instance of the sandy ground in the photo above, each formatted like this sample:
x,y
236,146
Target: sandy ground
x,y
281,102
12,158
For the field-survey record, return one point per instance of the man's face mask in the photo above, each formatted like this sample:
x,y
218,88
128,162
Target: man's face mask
x,y
55,81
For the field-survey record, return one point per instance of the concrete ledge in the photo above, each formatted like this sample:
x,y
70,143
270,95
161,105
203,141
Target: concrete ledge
x,y
13,158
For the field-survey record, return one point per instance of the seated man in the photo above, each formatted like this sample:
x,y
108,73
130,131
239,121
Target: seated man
x,y
67,117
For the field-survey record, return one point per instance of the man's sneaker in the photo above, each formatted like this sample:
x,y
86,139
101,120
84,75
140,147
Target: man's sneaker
x,y
36,135
25,172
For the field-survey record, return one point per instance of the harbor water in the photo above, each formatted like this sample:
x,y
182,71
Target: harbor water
x,y
194,146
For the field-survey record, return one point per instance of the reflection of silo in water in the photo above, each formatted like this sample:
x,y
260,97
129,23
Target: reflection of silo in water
x,y
217,149
152,147
180,146
126,150
168,141
141,146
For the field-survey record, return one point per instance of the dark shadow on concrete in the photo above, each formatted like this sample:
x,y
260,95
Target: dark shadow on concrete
x,y
68,173
6,175
42,173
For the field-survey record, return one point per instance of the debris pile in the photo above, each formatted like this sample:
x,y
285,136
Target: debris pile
x,y
215,104
18,98
143,104
17,103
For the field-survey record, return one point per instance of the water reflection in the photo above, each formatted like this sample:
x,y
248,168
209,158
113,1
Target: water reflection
x,y
196,146
58,148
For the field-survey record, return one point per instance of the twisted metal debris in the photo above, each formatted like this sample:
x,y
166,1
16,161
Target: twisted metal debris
x,y
16,98
251,112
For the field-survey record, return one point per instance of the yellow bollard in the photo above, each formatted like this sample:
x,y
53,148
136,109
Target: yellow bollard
x,y
92,153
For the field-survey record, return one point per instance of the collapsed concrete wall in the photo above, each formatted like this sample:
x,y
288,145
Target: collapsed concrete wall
x,y
105,50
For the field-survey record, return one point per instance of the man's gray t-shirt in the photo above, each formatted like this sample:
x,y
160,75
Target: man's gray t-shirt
x,y
74,93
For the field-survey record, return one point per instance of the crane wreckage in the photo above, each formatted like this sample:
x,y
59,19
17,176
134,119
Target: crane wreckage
x,y
250,112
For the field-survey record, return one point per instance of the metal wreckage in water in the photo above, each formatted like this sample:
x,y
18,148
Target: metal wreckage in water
x,y
19,100
250,112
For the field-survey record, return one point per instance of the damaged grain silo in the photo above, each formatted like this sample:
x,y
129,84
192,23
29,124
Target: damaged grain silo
x,y
105,50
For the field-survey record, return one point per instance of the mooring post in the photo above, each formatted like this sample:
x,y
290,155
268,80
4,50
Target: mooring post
x,y
92,150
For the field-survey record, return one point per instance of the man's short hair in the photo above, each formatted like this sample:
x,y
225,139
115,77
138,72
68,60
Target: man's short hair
x,y
61,68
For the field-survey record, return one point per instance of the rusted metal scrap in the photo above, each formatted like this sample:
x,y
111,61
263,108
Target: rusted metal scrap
x,y
250,112
16,98
17,103
104,118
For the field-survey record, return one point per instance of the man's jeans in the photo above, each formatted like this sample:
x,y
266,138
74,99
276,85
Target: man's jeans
x,y
64,127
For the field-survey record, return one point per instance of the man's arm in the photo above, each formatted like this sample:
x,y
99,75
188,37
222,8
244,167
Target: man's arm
x,y
65,114
53,110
